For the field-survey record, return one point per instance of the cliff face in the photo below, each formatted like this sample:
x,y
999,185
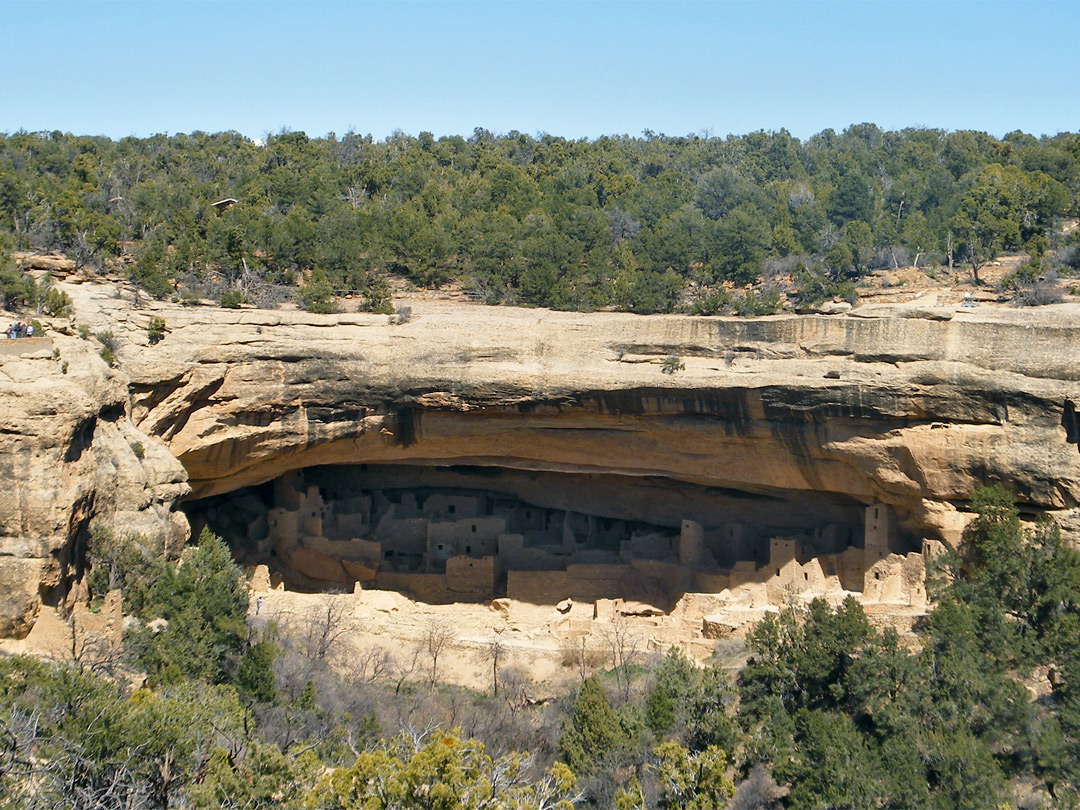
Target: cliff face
x,y
69,455
910,411
907,406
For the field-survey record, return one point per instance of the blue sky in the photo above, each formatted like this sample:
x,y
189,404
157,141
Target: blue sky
x,y
576,69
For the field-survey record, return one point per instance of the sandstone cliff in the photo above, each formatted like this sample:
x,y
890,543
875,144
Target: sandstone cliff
x,y
67,456
911,406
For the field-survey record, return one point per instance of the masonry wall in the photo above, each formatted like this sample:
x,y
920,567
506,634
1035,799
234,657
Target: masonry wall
x,y
407,534
587,583
674,578
538,587
366,550
471,576
691,542
347,526
430,588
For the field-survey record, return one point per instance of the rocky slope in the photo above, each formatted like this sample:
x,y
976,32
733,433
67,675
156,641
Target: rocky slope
x,y
70,454
909,405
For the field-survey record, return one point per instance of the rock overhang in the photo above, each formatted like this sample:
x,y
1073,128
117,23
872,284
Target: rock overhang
x,y
909,407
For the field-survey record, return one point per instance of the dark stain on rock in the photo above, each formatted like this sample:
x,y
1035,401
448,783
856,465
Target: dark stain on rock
x,y
1069,422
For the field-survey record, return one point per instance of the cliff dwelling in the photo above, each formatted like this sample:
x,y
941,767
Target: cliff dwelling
x,y
441,534
775,439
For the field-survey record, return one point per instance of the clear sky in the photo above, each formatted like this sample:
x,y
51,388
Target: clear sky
x,y
576,69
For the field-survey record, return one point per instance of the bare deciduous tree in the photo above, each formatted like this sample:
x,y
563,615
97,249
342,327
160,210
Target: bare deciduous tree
x,y
625,648
437,637
404,667
494,652
371,665
311,644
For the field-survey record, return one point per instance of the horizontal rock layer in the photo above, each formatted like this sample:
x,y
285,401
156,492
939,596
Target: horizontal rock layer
x,y
70,455
909,406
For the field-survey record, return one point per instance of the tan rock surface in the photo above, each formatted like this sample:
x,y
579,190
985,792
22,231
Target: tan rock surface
x,y
67,457
909,405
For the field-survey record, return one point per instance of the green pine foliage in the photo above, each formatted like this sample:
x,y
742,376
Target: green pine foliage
x,y
837,711
849,718
634,223
592,732
255,675
76,739
231,299
204,603
155,330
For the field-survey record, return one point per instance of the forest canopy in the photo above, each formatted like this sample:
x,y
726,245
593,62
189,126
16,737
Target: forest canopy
x,y
977,707
635,223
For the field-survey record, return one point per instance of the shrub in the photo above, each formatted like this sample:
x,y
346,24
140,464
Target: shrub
x,y
138,449
121,562
319,306
109,345
16,289
592,731
1040,292
751,304
374,294
232,299
255,675
713,303
317,295
84,331
205,603
155,330
57,303
671,364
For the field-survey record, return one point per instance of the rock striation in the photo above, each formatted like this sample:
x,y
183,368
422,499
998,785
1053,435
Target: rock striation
x,y
69,454
909,406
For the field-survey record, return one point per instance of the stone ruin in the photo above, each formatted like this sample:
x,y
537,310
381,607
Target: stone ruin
x,y
339,528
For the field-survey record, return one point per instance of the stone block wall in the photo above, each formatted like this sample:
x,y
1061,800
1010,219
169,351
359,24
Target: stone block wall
x,y
676,579
472,577
587,583
691,542
407,534
451,507
710,583
430,588
538,587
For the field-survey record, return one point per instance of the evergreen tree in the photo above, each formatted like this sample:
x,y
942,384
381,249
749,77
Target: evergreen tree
x,y
592,732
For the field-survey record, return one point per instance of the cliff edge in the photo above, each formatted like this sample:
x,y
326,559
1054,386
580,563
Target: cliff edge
x,y
907,405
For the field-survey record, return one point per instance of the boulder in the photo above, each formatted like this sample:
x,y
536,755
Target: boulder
x,y
314,565
359,571
717,627
834,308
